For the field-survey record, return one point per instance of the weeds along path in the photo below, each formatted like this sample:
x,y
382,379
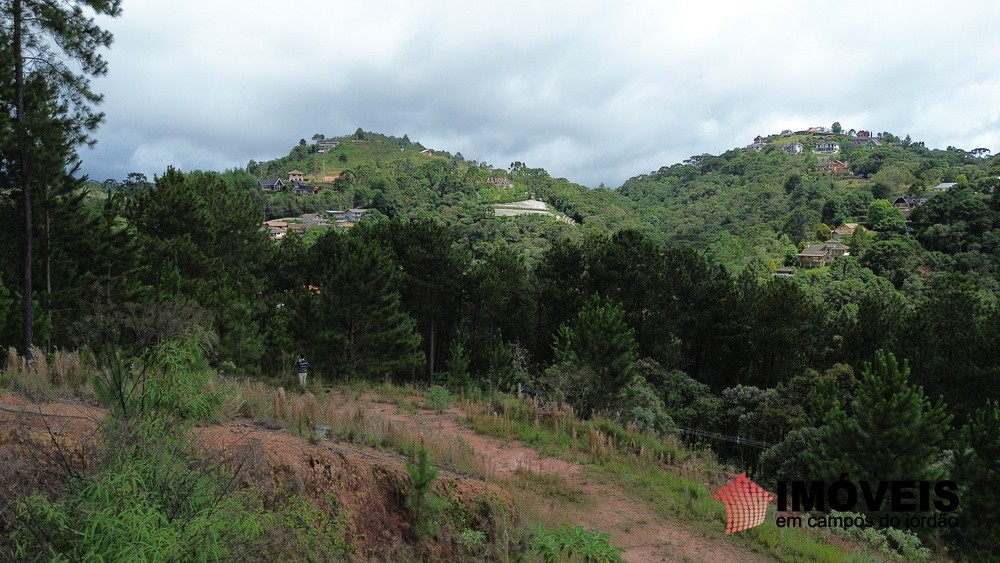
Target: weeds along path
x,y
586,502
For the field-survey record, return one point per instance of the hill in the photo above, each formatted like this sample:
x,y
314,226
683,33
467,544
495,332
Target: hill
x,y
755,205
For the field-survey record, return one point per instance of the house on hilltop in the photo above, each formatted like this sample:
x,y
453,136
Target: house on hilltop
x,y
906,205
276,229
356,214
758,144
819,255
835,166
296,176
794,148
844,231
275,185
827,147
945,186
301,189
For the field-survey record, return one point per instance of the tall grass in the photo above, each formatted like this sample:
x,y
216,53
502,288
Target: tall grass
x,y
555,429
48,376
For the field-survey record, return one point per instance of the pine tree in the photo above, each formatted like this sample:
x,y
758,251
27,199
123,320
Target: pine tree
x,y
602,341
889,430
204,238
977,471
430,280
357,325
48,41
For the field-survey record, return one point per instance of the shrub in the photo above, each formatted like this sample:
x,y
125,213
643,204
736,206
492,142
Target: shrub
x,y
566,542
639,405
438,398
151,500
173,380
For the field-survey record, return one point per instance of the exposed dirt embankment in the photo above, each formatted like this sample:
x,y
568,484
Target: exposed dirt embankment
x,y
370,484
39,441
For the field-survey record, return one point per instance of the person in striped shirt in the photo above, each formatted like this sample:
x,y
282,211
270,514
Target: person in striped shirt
x,y
302,366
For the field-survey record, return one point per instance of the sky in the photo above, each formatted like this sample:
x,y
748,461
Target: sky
x,y
595,92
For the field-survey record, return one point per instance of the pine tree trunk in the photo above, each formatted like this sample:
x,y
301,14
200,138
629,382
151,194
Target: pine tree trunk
x,y
22,147
430,363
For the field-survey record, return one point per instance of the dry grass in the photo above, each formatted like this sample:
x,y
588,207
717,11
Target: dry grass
x,y
301,413
49,375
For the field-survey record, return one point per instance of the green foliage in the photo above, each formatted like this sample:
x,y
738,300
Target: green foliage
x,y
439,398
977,469
471,538
152,500
425,507
601,341
568,542
639,405
458,366
152,361
204,240
785,461
689,403
884,217
297,530
898,545
356,326
888,431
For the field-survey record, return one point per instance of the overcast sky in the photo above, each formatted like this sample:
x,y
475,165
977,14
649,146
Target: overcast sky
x,y
591,91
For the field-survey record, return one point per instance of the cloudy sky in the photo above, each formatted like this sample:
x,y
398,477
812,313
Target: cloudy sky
x,y
591,91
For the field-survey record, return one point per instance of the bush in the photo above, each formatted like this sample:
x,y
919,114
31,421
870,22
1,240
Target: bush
x,y
439,398
173,380
639,405
152,500
567,542
299,531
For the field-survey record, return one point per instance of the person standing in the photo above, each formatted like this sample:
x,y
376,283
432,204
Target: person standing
x,y
302,366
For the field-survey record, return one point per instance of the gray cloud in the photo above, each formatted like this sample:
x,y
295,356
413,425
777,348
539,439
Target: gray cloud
x,y
593,92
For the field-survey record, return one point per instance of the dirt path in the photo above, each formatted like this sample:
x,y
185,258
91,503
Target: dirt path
x,y
633,525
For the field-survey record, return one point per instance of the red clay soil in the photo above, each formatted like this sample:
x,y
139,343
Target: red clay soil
x,y
632,524
368,482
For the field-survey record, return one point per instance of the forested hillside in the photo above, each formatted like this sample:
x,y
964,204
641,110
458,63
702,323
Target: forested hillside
x,y
655,302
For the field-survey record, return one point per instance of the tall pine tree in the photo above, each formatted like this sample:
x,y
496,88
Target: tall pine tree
x,y
888,431
54,41
356,326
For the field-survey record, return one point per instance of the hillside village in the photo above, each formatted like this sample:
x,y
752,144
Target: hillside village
x,y
319,183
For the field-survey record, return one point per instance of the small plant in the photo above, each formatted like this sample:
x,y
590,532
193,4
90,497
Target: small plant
x,y
439,399
566,542
471,538
899,545
424,506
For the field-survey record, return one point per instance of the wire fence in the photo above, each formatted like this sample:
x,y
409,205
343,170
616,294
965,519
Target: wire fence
x,y
743,452
725,438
